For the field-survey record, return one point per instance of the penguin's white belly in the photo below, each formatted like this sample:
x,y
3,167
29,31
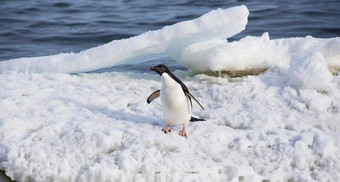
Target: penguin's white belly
x,y
175,105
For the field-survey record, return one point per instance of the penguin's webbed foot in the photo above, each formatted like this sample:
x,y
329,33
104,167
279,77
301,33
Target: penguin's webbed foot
x,y
183,133
166,129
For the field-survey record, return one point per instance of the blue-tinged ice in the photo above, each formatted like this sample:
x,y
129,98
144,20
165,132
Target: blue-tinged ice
x,y
216,24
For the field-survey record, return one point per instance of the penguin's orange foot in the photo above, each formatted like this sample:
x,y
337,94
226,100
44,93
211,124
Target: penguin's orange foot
x,y
166,129
183,133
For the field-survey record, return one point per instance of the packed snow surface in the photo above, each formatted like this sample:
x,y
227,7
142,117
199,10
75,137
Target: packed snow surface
x,y
280,125
97,127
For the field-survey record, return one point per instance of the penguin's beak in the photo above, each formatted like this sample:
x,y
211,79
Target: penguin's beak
x,y
152,68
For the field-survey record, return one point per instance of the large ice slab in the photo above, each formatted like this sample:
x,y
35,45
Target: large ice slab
x,y
252,53
216,24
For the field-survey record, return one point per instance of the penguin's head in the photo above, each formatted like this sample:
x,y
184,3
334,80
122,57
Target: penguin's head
x,y
160,69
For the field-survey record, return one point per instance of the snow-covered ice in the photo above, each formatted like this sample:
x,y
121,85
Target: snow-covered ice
x,y
97,127
280,125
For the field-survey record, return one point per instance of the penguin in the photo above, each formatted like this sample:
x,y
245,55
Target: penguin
x,y
175,100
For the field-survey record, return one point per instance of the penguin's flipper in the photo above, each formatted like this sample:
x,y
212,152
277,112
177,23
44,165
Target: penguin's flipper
x,y
153,96
191,96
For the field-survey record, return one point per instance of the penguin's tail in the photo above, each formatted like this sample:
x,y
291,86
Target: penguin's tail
x,y
193,119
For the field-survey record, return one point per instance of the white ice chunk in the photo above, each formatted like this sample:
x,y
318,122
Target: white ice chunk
x,y
310,71
216,24
316,101
252,53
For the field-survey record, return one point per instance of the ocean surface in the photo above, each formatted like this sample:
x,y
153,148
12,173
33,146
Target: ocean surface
x,y
40,28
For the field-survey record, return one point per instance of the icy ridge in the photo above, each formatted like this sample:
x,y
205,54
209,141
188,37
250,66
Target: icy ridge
x,y
216,24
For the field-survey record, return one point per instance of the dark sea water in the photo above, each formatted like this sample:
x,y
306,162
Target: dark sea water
x,y
47,27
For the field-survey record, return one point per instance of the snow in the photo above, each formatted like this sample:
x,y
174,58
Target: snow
x,y
280,125
95,127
